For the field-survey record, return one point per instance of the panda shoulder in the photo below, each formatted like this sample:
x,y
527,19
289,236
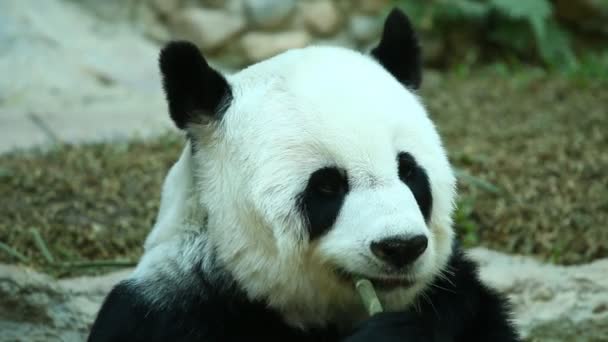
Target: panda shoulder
x,y
173,282
182,262
178,210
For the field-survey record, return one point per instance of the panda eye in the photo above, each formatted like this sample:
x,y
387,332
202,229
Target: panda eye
x,y
328,189
407,166
328,182
322,199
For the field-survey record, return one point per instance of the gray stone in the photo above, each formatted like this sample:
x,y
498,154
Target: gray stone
x,y
321,17
552,303
18,130
372,6
165,6
260,45
365,28
35,307
268,13
213,3
208,28
147,21
61,64
109,122
108,10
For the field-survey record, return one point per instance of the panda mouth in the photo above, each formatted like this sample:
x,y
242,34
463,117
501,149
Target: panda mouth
x,y
385,283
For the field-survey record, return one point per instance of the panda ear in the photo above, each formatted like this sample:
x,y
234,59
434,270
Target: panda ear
x,y
194,91
399,51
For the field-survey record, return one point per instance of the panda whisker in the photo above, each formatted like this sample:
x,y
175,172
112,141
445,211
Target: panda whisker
x,y
430,301
445,275
416,306
443,288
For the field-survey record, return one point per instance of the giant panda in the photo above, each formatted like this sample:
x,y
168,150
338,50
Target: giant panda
x,y
301,174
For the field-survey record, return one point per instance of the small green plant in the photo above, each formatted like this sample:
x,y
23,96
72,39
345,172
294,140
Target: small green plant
x,y
465,223
527,28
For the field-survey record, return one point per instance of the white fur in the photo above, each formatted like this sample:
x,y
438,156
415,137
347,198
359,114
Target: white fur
x,y
179,209
292,114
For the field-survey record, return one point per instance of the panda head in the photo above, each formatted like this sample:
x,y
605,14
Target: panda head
x,y
316,167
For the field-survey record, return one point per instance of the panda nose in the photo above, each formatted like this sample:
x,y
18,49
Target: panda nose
x,y
400,252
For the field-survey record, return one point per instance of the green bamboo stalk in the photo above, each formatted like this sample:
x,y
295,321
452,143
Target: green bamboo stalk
x,y
42,246
368,296
13,252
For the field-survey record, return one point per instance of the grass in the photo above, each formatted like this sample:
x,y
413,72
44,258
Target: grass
x,y
75,208
541,139
531,150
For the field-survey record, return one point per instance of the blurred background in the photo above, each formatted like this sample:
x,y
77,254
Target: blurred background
x,y
517,89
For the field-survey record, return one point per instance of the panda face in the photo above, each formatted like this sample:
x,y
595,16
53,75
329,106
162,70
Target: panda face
x,y
316,167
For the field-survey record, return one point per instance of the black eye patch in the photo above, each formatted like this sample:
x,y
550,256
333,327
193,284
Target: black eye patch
x,y
322,199
415,177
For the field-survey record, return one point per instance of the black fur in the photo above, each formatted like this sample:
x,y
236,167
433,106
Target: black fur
x,y
414,176
195,92
399,51
322,199
457,308
193,316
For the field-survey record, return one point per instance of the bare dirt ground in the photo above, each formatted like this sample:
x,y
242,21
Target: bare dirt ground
x,y
540,141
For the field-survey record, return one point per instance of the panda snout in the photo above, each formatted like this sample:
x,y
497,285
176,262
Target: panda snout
x,y
399,252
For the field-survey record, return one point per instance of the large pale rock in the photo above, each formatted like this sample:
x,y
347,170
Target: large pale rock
x,y
268,14
321,17
208,28
34,307
372,6
57,59
213,3
260,45
365,28
109,10
552,303
147,21
165,6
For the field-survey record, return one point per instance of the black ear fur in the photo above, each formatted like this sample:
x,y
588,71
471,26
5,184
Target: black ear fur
x,y
399,50
195,92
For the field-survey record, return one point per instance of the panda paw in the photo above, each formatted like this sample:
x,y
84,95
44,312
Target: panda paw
x,y
391,327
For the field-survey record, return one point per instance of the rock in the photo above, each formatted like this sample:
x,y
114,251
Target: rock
x,y
109,10
93,76
268,14
35,307
209,29
146,20
551,303
321,17
213,3
365,28
260,45
165,6
372,6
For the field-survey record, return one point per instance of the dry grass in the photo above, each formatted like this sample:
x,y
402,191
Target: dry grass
x,y
90,202
541,140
